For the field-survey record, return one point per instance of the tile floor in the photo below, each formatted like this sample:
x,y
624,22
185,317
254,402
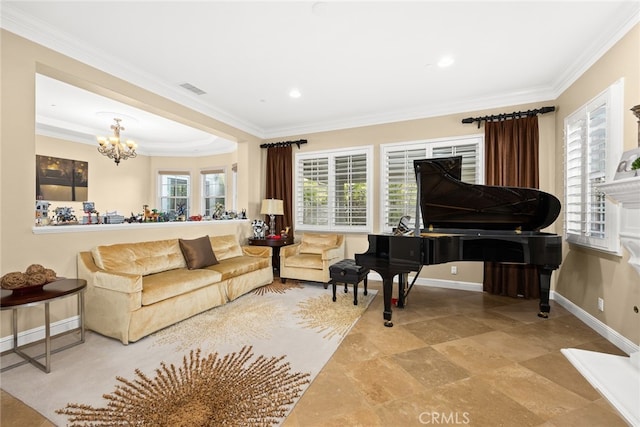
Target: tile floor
x,y
452,358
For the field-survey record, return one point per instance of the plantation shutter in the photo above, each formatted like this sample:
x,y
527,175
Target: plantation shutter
x,y
312,204
351,190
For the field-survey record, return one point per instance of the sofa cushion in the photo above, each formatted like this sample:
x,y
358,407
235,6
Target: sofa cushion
x,y
313,261
225,246
233,267
316,243
198,252
139,258
168,284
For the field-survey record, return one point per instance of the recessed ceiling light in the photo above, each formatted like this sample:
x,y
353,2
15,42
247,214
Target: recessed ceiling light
x,y
295,93
445,61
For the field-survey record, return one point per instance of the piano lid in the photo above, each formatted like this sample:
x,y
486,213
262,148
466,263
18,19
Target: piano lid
x,y
447,202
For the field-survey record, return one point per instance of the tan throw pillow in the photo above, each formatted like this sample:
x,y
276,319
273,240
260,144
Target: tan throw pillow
x,y
198,252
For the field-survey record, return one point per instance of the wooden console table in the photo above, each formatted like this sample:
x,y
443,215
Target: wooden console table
x,y
50,292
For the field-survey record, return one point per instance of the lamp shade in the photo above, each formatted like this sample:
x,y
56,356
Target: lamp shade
x,y
272,207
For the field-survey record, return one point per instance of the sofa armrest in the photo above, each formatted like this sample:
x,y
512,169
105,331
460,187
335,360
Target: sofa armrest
x,y
119,282
258,251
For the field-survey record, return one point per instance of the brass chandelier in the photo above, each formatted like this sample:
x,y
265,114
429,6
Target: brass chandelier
x,y
115,149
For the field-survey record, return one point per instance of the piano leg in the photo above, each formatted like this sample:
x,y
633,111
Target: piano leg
x,y
403,279
545,287
387,291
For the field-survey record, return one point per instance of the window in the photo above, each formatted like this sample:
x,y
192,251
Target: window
x,y
213,190
593,146
398,178
174,192
333,190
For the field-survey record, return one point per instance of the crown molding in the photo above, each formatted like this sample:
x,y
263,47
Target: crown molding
x,y
43,34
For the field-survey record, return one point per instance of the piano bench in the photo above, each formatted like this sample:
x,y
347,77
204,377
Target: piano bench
x,y
347,272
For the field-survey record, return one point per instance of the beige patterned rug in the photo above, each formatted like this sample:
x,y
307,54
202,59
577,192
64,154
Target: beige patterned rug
x,y
245,363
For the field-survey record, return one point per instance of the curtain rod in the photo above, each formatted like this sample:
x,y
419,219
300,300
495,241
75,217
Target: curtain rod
x,y
284,143
505,116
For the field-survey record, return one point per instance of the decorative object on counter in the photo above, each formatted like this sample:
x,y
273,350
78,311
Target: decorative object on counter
x,y
115,149
259,228
629,164
272,207
181,212
243,214
218,212
113,218
65,216
90,208
32,280
195,218
42,212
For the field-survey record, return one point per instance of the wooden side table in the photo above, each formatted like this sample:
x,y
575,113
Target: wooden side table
x,y
50,292
275,245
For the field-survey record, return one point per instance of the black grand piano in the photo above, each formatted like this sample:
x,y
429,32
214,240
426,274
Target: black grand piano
x,y
467,222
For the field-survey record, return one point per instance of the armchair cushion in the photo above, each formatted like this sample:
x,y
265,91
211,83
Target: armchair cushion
x,y
317,243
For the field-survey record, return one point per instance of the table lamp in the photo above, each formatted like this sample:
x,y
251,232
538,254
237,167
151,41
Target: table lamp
x,y
272,207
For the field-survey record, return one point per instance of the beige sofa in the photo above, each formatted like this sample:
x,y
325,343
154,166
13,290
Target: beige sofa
x,y
135,289
310,258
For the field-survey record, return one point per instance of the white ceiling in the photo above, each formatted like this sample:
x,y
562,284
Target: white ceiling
x,y
355,63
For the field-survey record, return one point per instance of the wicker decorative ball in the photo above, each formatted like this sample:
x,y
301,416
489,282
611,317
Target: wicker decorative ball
x,y
34,268
13,280
34,277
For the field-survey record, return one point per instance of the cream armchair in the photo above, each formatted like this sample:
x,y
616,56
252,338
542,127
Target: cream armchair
x,y
311,257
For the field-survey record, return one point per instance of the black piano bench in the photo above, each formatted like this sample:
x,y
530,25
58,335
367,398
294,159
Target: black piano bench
x,y
347,272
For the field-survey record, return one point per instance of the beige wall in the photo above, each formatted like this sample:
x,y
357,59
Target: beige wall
x,y
126,187
586,275
611,276
420,130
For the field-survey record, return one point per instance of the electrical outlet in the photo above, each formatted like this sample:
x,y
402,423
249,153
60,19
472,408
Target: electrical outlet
x,y
454,269
600,304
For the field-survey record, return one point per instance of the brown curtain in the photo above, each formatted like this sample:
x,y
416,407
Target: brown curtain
x,y
512,160
280,183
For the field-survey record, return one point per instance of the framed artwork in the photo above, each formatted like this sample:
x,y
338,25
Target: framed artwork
x,y
61,179
624,167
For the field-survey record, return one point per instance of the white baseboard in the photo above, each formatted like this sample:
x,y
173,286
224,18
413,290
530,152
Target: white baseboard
x,y
611,335
37,334
435,283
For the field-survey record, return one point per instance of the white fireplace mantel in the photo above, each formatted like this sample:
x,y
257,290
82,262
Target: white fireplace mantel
x,y
626,192
617,378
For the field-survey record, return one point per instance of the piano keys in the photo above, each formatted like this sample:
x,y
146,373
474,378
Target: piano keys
x,y
467,222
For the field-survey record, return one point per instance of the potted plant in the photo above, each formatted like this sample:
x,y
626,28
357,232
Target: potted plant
x,y
635,166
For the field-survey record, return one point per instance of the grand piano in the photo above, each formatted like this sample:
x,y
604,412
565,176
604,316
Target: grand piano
x,y
466,222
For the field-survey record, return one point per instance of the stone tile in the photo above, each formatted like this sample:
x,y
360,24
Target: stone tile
x,y
589,415
429,367
466,402
382,380
540,395
471,355
330,394
556,367
508,346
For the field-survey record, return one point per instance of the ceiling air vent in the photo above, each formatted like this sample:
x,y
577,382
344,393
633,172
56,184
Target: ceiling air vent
x,y
192,88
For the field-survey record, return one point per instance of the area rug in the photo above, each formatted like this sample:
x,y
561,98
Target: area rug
x,y
244,363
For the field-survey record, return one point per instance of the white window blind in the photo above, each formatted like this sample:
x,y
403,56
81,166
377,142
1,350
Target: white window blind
x,y
333,190
399,179
593,145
